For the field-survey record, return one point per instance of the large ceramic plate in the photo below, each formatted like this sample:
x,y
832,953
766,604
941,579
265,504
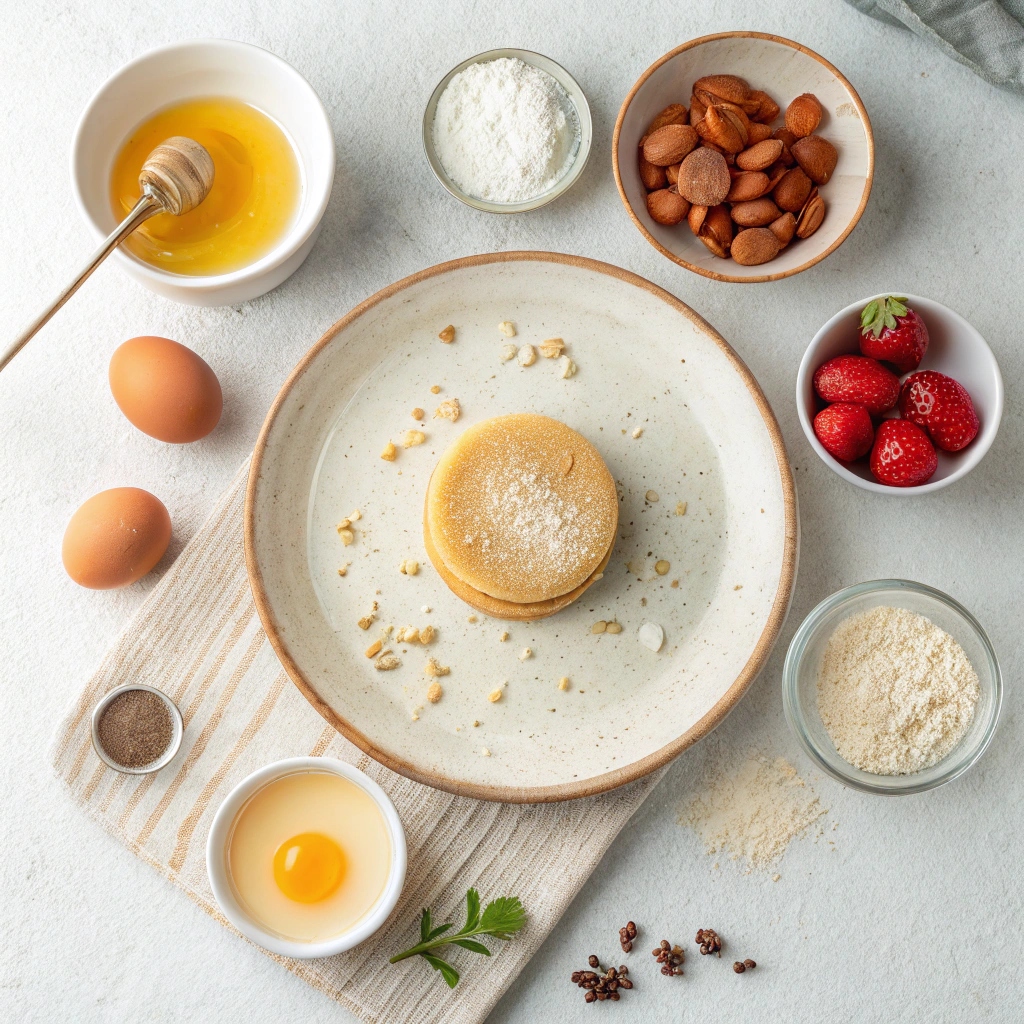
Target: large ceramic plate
x,y
709,439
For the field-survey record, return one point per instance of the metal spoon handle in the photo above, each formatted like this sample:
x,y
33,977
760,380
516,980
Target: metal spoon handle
x,y
145,208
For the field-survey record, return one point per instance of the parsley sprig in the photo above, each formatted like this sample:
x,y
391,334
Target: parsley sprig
x,y
501,918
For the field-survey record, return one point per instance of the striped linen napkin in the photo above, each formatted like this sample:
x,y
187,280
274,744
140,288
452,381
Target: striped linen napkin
x,y
198,638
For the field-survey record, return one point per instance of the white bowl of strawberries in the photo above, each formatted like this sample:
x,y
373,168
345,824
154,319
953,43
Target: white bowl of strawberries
x,y
899,395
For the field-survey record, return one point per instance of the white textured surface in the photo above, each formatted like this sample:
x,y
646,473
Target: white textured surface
x,y
917,913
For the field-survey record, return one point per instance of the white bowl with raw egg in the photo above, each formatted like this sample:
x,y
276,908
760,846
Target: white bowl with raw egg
x,y
273,152
307,857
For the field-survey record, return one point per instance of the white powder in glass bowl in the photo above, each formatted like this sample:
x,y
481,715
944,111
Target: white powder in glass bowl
x,y
504,131
896,693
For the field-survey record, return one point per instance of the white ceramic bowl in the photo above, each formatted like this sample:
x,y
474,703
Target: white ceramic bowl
x,y
955,348
581,145
784,70
211,67
220,837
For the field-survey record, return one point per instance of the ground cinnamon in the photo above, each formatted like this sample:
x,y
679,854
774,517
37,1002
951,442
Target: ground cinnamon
x,y
135,728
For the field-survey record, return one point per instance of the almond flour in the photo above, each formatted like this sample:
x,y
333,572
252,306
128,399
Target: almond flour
x,y
896,693
753,810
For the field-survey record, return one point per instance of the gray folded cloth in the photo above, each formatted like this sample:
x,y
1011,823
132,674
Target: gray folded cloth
x,y
985,35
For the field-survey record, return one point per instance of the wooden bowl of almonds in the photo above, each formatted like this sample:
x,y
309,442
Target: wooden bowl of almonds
x,y
743,156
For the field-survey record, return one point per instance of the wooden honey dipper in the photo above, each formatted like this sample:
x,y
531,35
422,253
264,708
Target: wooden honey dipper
x,y
176,177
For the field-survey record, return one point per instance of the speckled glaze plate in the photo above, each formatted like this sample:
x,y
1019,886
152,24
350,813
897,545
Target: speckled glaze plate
x,y
707,440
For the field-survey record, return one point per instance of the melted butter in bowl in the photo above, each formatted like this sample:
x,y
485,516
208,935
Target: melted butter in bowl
x,y
309,856
255,197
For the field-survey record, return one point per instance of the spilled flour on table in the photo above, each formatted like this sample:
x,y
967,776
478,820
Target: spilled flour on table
x,y
754,811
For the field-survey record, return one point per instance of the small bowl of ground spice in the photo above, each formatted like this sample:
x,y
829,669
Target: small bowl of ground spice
x,y
136,729
507,131
892,687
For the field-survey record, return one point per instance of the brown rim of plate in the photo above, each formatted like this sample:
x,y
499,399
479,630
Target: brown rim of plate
x,y
714,274
598,783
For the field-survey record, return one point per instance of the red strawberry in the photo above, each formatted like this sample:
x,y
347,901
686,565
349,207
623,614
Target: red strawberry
x,y
892,332
845,431
860,380
942,406
902,456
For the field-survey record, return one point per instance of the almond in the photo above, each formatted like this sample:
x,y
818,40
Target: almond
x,y
667,207
719,128
722,87
695,218
759,132
787,138
674,113
767,108
672,173
811,216
775,174
792,191
784,228
704,177
653,177
755,246
698,109
803,115
716,231
670,144
758,157
748,185
758,213
817,156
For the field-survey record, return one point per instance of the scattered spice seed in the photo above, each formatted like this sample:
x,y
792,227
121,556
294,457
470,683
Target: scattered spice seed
x,y
709,941
652,496
494,696
661,567
739,967
749,964
613,627
599,984
626,936
599,627
418,413
670,957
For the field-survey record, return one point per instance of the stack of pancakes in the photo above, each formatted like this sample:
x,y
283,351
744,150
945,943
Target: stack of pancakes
x,y
520,516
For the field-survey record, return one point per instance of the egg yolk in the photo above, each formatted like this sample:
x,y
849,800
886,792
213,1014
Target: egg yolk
x,y
308,867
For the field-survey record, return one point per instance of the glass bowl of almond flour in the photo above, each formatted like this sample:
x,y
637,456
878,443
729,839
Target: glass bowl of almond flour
x,y
892,687
507,131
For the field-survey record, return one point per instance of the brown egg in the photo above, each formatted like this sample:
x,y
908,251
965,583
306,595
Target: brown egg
x,y
115,538
165,389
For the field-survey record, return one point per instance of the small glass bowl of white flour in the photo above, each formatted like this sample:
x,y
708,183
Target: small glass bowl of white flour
x,y
899,676
507,131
